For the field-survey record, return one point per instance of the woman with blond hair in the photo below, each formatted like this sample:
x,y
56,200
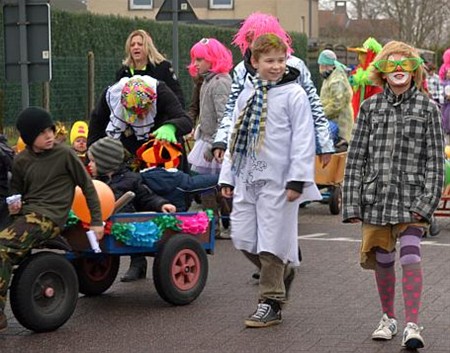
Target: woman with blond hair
x,y
142,58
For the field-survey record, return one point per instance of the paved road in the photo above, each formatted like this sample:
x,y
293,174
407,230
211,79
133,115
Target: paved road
x,y
334,305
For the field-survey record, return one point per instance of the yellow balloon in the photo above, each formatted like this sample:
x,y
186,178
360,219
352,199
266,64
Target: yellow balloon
x,y
447,151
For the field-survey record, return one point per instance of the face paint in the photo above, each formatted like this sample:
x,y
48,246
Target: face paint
x,y
399,77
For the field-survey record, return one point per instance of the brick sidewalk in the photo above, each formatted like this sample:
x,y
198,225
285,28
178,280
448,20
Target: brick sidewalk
x,y
334,306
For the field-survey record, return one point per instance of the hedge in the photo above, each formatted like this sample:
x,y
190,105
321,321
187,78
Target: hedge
x,y
76,34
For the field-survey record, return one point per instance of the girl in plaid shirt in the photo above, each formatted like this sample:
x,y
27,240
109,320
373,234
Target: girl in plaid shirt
x,y
393,182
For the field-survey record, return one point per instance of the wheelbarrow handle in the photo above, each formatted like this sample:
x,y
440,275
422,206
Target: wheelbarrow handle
x,y
123,200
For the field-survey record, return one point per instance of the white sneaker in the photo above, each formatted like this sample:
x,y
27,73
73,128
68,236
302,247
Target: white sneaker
x,y
386,329
411,336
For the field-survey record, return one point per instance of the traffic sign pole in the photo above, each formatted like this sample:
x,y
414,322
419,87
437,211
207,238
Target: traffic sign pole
x,y
175,36
23,54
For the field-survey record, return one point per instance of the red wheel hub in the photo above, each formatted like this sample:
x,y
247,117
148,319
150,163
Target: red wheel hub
x,y
49,292
186,269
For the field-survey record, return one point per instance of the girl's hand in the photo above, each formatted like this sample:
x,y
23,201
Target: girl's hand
x,y
354,220
292,195
417,216
168,208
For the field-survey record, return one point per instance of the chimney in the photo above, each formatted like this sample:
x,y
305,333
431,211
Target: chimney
x,y
340,7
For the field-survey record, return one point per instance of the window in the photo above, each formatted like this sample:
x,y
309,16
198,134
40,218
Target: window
x,y
141,4
221,4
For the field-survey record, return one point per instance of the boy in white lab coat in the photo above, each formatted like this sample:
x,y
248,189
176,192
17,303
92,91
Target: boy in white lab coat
x,y
269,170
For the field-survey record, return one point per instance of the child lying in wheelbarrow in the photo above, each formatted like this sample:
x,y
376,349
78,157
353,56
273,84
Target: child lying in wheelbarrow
x,y
163,178
106,164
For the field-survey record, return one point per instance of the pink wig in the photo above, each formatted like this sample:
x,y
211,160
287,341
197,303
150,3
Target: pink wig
x,y
213,51
256,24
445,64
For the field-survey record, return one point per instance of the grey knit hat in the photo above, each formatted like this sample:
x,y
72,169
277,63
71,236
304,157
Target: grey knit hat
x,y
108,155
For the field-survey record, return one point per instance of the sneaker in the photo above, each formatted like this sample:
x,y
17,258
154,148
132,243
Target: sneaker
x,y
411,336
3,321
267,314
386,329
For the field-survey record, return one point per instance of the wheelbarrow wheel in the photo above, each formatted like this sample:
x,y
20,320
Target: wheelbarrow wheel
x,y
335,200
44,292
180,269
96,273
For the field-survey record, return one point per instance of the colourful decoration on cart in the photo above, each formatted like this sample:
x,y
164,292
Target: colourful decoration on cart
x,y
136,233
165,222
148,232
197,224
72,219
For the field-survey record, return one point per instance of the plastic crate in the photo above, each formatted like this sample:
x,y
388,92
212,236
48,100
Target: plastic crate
x,y
333,173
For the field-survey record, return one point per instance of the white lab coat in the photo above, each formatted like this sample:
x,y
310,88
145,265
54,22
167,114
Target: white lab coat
x,y
262,219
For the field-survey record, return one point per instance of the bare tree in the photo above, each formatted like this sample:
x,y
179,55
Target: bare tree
x,y
422,23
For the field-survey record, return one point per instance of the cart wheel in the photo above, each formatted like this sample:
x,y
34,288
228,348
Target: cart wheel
x,y
335,200
96,273
44,292
180,269
434,228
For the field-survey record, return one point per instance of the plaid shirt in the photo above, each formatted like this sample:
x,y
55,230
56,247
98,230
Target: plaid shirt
x,y
395,163
435,88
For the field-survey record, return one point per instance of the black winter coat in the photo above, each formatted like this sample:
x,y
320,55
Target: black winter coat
x,y
125,180
168,109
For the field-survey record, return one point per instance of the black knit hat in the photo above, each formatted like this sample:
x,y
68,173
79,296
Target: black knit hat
x,y
31,122
108,155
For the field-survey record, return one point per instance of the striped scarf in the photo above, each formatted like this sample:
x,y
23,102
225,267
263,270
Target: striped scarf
x,y
249,129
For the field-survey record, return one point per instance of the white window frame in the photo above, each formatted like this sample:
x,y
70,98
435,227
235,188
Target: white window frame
x,y
132,6
214,6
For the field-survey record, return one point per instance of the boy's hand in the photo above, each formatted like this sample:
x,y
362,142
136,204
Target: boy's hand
x,y
168,208
227,192
325,159
99,231
292,195
218,155
207,155
15,207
